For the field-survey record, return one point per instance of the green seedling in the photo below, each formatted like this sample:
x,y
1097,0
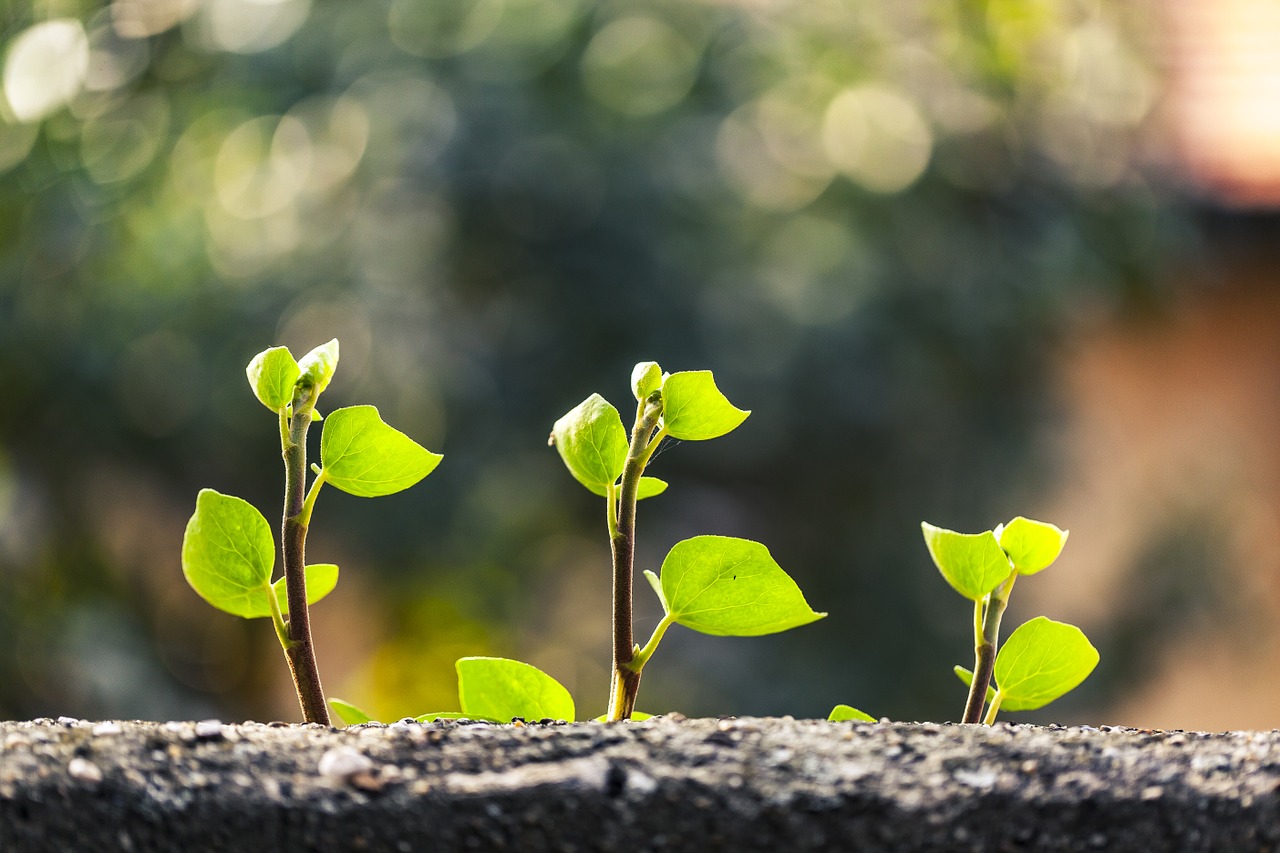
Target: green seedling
x,y
841,713
1042,659
713,584
228,552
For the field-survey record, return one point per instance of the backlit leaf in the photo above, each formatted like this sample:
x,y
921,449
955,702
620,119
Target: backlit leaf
x,y
840,713
348,713
272,375
1040,661
317,367
592,442
646,378
731,587
972,563
363,456
1032,545
501,689
228,554
693,409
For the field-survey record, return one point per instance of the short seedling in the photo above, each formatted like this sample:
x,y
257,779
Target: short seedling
x,y
1042,659
228,553
713,584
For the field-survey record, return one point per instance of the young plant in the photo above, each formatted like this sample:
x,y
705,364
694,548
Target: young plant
x,y
1042,659
228,552
713,584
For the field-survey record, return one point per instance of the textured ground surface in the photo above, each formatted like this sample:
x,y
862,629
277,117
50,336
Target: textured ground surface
x,y
668,784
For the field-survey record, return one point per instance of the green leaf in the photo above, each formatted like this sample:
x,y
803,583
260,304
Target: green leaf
x,y
365,457
500,689
840,713
656,583
731,588
592,442
967,677
646,378
317,367
693,409
272,375
1032,545
972,563
1042,660
348,713
228,553
650,486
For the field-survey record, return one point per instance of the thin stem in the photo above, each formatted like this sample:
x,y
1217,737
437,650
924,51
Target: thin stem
x,y
994,709
985,645
642,657
297,513
626,681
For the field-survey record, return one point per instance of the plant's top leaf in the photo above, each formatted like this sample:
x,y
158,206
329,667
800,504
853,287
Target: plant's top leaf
x,y
973,563
365,457
732,588
646,378
272,375
228,554
967,677
649,487
1040,661
317,367
1031,545
693,409
593,443
501,689
840,713
348,713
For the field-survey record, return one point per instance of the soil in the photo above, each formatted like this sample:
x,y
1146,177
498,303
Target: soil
x,y
669,784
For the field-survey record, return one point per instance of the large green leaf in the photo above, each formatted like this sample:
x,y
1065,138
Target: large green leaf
x,y
317,367
840,713
348,713
272,375
972,563
501,689
693,409
1040,661
592,442
646,378
731,588
365,457
228,554
1032,545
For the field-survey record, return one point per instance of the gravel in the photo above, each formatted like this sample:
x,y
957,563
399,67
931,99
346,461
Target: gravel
x,y
669,784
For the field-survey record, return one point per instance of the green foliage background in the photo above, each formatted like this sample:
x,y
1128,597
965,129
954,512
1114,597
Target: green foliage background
x,y
873,221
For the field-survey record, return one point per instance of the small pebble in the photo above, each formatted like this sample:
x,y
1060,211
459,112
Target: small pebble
x,y
106,728
69,721
206,729
84,770
343,762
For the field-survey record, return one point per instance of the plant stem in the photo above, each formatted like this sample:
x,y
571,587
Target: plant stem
x,y
297,513
626,680
993,710
985,645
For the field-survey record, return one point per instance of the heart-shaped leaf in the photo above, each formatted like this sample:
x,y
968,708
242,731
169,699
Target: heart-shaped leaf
x,y
228,554
972,563
1032,545
693,409
363,456
272,375
1040,661
731,588
502,689
592,442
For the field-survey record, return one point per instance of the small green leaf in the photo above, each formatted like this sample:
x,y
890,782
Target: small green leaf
x,y
1032,545
1042,660
501,689
731,588
593,443
840,713
967,677
693,409
317,367
972,563
321,579
272,375
646,378
650,486
228,554
365,457
657,587
348,713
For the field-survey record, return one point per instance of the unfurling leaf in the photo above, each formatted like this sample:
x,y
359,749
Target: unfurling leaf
x,y
317,367
272,375
646,378
363,456
593,443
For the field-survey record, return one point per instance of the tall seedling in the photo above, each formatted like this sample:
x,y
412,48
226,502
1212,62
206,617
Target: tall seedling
x,y
228,553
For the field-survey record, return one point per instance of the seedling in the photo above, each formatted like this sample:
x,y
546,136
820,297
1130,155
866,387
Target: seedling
x,y
228,553
1042,659
713,584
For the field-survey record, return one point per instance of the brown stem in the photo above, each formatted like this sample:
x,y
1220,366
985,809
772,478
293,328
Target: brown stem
x,y
984,650
299,652
626,681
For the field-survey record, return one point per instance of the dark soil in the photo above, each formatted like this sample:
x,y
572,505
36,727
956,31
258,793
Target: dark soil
x,y
665,785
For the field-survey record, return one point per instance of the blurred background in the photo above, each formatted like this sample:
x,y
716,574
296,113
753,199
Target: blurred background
x,y
963,260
